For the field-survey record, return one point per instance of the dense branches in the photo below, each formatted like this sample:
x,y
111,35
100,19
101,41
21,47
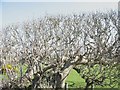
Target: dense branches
x,y
56,44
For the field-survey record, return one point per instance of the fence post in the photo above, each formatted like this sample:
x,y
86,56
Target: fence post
x,y
66,86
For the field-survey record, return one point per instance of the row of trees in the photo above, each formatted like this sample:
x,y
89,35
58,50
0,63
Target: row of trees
x,y
53,45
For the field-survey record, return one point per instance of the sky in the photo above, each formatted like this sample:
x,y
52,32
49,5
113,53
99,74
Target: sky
x,y
17,12
59,0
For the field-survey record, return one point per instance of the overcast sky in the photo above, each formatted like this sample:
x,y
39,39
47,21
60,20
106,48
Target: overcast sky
x,y
14,12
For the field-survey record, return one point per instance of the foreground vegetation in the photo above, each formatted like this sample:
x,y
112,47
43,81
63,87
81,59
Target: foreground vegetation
x,y
74,79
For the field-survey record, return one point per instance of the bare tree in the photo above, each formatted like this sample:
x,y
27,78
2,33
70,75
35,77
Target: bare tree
x,y
53,45
99,75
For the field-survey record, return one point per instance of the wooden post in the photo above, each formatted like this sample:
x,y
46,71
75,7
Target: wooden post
x,y
21,72
66,86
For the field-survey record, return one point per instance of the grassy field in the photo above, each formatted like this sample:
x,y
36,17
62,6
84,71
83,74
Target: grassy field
x,y
75,81
24,68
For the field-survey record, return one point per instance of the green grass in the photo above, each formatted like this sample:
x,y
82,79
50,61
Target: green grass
x,y
24,68
74,80
3,77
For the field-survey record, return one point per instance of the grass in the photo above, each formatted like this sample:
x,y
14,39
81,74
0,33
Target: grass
x,y
74,80
3,77
24,68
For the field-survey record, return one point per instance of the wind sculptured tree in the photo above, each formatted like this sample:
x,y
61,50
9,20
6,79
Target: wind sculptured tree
x,y
53,45
44,44
103,63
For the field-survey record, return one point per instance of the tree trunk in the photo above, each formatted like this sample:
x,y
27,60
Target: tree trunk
x,y
68,66
87,86
61,77
92,87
